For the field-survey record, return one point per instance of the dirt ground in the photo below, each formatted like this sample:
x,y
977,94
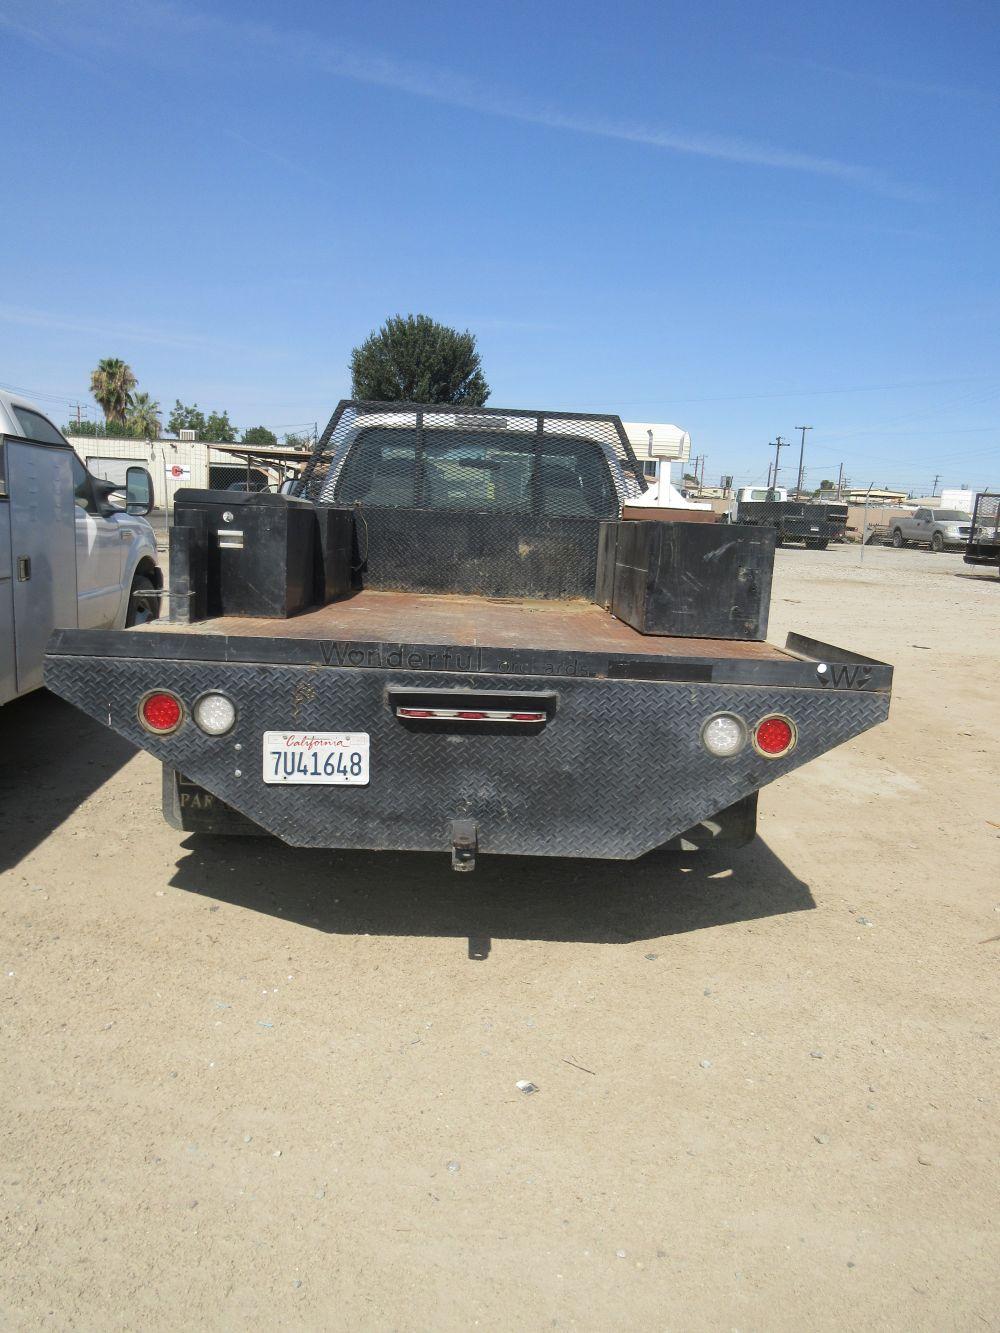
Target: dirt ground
x,y
250,1087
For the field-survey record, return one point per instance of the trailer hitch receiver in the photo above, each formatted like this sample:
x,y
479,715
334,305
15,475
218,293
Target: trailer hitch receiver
x,y
464,842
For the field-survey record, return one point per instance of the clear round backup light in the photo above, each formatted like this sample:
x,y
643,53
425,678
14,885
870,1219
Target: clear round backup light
x,y
724,735
215,714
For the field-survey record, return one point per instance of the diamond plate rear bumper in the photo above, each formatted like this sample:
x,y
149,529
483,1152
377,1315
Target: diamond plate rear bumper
x,y
618,770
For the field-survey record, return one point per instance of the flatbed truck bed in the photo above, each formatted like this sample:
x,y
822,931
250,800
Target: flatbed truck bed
x,y
522,716
509,623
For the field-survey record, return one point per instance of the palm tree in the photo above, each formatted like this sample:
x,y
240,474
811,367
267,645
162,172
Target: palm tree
x,y
112,384
143,419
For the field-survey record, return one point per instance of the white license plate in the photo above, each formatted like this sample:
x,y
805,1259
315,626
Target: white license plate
x,y
814,529
330,758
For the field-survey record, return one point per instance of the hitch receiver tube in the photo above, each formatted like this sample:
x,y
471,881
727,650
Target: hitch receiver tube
x,y
464,843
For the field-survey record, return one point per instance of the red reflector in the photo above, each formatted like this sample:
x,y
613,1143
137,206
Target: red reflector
x,y
161,712
414,712
473,717
774,735
527,717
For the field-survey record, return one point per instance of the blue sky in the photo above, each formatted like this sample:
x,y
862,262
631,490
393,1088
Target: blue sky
x,y
734,216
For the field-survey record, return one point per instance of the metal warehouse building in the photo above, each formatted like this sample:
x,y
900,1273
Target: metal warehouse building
x,y
173,464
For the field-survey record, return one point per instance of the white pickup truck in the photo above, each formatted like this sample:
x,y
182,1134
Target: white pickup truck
x,y
75,552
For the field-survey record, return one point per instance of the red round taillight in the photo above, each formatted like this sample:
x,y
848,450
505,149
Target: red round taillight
x,y
774,736
161,712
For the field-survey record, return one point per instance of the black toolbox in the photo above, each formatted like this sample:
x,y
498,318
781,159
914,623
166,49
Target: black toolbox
x,y
706,581
261,554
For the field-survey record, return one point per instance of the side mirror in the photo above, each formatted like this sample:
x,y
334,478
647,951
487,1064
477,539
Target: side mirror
x,y
138,491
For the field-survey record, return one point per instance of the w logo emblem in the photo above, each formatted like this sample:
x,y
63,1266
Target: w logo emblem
x,y
848,676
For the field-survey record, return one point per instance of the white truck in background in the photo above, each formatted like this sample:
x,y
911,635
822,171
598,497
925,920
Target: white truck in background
x,y
75,552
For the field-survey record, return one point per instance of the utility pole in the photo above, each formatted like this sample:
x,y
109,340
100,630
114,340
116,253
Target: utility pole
x,y
778,444
802,452
701,483
840,481
937,478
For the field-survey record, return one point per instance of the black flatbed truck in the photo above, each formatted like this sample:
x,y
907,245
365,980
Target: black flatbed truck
x,y
472,689
796,521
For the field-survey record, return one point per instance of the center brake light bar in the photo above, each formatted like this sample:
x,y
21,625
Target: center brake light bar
x,y
469,715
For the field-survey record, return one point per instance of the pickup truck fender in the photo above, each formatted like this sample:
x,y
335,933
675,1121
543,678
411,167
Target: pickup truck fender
x,y
138,556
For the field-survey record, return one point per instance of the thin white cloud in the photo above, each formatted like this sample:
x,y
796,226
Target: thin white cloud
x,y
308,50
919,87
501,323
257,147
123,333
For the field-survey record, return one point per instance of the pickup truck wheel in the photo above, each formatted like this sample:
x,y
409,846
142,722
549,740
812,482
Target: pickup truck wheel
x,y
937,542
897,538
143,609
817,543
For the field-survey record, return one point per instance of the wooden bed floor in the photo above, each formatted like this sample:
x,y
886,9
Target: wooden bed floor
x,y
474,622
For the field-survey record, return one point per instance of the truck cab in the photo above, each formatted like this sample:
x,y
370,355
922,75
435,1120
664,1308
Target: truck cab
x,y
75,551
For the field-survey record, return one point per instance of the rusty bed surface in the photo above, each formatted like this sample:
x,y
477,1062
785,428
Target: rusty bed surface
x,y
474,622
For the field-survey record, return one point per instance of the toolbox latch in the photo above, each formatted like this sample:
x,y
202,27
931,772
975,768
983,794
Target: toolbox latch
x,y
464,844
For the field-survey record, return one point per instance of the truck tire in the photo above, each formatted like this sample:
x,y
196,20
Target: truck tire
x,y
897,538
817,543
937,543
141,610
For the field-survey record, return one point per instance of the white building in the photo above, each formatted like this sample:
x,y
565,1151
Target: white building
x,y
173,464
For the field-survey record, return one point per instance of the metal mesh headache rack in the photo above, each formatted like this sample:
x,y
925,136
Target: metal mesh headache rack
x,y
986,518
983,546
513,461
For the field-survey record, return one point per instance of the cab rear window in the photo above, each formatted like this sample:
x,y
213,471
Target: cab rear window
x,y
36,427
482,470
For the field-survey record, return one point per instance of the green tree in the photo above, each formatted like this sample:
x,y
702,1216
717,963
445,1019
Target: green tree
x,y
219,429
298,441
88,428
143,420
260,435
416,360
186,418
112,384
826,485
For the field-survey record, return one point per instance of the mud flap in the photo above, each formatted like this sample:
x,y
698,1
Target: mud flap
x,y
733,827
192,809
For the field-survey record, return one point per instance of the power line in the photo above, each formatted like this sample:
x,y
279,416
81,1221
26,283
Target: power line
x,y
70,399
